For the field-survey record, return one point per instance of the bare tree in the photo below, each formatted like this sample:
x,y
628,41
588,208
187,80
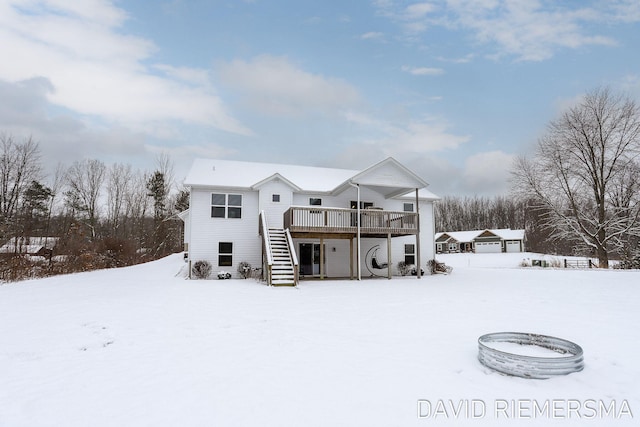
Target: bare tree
x,y
56,185
577,165
118,182
164,165
84,181
136,205
19,166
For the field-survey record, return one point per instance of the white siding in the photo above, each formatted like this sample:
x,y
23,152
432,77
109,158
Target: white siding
x,y
274,211
187,232
242,232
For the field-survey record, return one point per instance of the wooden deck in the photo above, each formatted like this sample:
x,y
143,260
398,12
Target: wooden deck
x,y
311,221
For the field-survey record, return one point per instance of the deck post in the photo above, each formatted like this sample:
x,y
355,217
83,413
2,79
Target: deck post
x,y
359,268
389,265
351,258
418,266
321,258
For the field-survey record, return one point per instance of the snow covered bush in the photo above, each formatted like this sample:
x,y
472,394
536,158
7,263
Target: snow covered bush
x,y
244,269
403,268
201,269
436,267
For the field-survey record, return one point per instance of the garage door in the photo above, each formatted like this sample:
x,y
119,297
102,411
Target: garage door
x,y
488,247
513,246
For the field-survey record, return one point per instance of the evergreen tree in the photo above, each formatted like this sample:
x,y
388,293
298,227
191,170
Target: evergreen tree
x,y
35,207
182,201
157,191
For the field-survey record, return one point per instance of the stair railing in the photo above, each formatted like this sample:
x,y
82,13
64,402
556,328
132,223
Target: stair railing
x,y
266,248
294,257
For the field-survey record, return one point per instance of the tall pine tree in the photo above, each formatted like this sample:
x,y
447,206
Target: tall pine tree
x,y
158,192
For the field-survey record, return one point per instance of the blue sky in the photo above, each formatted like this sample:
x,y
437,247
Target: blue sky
x,y
454,89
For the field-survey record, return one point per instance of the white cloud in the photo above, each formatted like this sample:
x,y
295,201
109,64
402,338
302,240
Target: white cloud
x,y
25,112
626,10
488,172
461,60
529,30
418,10
274,85
423,71
372,35
414,18
425,135
96,69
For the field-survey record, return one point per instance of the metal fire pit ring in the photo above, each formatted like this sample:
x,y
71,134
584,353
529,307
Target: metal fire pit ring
x,y
524,366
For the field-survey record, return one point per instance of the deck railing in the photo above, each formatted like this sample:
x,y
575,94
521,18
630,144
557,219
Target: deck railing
x,y
294,257
267,268
338,220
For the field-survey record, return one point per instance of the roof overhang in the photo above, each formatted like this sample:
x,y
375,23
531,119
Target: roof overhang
x,y
184,215
388,177
276,177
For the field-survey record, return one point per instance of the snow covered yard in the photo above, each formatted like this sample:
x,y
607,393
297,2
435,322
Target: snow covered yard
x,y
141,347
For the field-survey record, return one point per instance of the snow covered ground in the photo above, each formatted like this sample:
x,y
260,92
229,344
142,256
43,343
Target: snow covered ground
x,y
141,346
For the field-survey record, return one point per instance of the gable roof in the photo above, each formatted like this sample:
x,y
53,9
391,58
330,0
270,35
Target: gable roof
x,y
276,177
388,177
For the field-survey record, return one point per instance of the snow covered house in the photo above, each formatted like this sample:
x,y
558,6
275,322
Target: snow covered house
x,y
298,221
480,241
29,245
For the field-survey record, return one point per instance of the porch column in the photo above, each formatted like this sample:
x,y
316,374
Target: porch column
x,y
321,258
389,265
351,258
418,264
358,267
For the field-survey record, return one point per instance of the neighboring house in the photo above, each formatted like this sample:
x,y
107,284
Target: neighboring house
x,y
29,245
480,241
303,221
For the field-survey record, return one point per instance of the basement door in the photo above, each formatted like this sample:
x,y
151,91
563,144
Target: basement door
x,y
309,258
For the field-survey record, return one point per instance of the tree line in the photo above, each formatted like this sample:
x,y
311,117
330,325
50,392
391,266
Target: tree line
x,y
102,215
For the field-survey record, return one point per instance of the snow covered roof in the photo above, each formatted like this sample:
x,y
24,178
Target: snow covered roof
x,y
508,234
468,236
28,245
251,175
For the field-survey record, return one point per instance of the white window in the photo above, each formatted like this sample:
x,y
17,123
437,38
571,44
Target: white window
x,y
226,205
408,207
275,198
315,202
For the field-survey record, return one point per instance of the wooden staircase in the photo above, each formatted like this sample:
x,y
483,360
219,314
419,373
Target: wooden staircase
x,y
282,270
